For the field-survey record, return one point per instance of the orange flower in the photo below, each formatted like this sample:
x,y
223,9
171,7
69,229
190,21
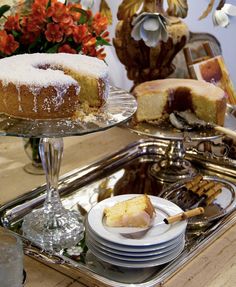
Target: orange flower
x,y
79,33
12,23
3,39
38,12
41,2
73,8
11,46
99,23
100,54
68,29
59,13
89,41
105,36
89,14
31,24
8,45
67,49
89,50
54,33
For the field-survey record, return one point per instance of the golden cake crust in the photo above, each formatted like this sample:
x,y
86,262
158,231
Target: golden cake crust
x,y
41,106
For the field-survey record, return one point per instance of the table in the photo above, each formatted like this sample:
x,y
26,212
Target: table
x,y
214,267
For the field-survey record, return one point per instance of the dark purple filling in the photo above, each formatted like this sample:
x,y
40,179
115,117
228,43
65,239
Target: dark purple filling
x,y
179,100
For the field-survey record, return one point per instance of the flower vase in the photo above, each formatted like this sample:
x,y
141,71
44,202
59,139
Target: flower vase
x,y
145,63
31,148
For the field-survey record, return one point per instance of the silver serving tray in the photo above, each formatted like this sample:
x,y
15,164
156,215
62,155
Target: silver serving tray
x,y
115,174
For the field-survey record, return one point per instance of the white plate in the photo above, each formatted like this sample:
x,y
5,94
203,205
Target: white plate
x,y
155,235
134,249
142,264
137,258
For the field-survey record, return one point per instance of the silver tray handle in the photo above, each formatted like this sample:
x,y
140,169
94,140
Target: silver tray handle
x,y
210,149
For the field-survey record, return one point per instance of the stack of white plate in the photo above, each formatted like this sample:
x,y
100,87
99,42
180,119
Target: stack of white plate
x,y
132,247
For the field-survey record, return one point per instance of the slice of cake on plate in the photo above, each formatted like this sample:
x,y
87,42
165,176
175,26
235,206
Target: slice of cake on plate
x,y
134,212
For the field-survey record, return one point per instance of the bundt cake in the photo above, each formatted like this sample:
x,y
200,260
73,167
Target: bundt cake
x,y
47,86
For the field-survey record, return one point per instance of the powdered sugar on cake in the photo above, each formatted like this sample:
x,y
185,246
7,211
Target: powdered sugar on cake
x,y
23,69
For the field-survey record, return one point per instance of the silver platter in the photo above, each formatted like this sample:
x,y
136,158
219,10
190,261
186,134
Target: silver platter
x,y
122,172
119,107
165,130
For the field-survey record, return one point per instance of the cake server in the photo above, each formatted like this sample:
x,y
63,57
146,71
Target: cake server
x,y
184,215
187,120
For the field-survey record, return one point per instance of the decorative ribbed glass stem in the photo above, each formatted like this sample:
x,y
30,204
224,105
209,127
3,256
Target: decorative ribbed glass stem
x,y
53,227
51,150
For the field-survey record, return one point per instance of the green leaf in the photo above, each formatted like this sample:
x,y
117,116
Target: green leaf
x,y
4,9
49,4
53,49
70,40
83,19
15,33
82,11
45,45
102,42
2,55
78,48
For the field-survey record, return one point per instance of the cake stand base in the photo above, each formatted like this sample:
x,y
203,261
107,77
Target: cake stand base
x,y
174,167
64,231
34,169
165,172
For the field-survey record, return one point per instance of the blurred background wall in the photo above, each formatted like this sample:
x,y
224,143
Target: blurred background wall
x,y
226,36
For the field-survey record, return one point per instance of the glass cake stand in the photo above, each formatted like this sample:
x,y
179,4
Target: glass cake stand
x,y
174,166
53,227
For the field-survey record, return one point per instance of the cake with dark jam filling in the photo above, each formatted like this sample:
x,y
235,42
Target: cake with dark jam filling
x,y
156,99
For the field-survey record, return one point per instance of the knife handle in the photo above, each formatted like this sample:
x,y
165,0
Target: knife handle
x,y
226,131
184,215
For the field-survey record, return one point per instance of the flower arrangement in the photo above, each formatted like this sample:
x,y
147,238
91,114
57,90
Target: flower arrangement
x,y
49,26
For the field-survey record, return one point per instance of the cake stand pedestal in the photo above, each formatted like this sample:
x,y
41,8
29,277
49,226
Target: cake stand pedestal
x,y
174,166
53,227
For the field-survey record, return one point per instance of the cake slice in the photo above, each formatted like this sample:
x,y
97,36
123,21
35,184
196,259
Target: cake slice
x,y
135,212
